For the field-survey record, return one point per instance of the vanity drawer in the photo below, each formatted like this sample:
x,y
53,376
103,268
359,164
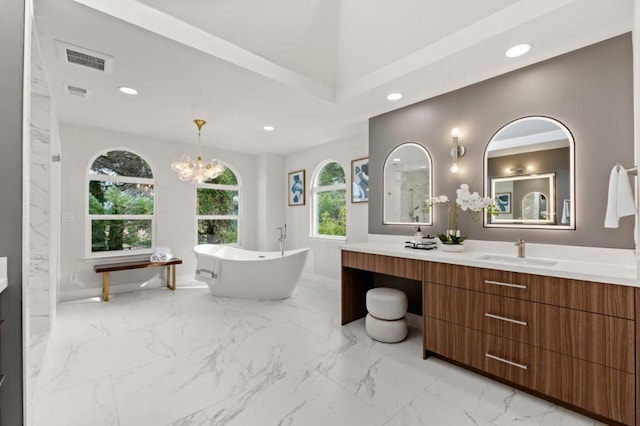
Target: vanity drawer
x,y
593,387
592,337
395,266
607,299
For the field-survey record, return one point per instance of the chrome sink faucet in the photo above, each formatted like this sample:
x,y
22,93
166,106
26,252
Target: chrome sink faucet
x,y
520,244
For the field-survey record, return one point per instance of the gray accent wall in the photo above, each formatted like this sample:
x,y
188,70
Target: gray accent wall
x,y
589,90
12,14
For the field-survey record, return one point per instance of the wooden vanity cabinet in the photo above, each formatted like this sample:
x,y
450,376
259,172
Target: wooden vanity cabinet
x,y
571,340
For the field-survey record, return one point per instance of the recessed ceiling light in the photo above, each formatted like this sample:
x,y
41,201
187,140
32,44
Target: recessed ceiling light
x,y
396,159
518,50
269,128
128,90
394,96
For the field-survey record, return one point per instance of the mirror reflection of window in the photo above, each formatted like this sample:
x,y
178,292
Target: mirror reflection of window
x,y
407,184
534,206
519,152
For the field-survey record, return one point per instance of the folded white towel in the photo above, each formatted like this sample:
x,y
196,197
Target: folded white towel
x,y
566,211
161,257
620,202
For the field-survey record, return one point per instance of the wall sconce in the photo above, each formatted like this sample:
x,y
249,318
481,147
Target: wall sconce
x,y
457,150
519,170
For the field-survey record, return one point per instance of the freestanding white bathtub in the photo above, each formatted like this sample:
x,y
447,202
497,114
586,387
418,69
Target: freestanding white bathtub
x,y
233,272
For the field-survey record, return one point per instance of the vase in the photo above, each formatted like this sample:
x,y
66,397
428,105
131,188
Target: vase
x,y
451,248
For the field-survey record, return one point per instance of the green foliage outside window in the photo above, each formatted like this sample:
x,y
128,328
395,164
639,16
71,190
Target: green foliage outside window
x,y
217,231
121,163
108,198
331,174
331,206
218,202
332,210
118,198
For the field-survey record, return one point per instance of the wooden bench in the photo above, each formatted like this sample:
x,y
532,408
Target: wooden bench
x,y
105,268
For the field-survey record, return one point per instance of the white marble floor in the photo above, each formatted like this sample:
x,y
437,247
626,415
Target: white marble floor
x,y
156,357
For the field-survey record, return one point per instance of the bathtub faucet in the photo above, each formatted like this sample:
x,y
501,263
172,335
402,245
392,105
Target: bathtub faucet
x,y
283,238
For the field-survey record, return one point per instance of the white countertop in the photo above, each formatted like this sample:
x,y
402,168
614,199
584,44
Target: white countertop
x,y
613,266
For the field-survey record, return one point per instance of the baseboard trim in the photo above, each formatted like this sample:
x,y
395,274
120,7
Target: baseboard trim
x,y
320,279
87,293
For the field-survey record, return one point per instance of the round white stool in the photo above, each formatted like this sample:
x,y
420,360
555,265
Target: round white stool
x,y
385,321
387,303
386,331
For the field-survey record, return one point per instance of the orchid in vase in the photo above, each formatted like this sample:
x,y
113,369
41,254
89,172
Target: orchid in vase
x,y
465,201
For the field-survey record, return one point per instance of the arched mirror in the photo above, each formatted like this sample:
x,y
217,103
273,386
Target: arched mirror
x,y
529,172
407,184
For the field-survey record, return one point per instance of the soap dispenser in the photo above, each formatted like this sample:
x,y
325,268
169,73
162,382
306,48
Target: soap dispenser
x,y
418,234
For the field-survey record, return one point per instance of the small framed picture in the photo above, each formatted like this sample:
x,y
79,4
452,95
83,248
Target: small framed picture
x,y
360,180
296,188
503,201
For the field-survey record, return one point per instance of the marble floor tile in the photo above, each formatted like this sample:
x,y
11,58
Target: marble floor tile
x,y
286,344
499,403
301,398
186,358
378,379
88,404
432,410
168,390
199,418
326,324
78,363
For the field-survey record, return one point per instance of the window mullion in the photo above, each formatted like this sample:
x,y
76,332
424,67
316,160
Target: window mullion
x,y
121,217
121,179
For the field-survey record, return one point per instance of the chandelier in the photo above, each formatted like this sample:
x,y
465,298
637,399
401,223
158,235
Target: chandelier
x,y
197,171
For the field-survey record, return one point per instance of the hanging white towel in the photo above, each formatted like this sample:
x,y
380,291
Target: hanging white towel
x,y
208,268
566,211
620,202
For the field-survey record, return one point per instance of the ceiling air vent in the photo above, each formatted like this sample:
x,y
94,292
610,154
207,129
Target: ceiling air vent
x,y
84,57
72,90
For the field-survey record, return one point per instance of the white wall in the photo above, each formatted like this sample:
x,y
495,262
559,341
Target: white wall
x,y
271,200
325,256
175,205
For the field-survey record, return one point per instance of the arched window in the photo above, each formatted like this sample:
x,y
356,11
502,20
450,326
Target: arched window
x,y
217,208
329,208
121,218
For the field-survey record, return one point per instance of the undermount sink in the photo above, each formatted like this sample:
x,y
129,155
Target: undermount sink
x,y
518,260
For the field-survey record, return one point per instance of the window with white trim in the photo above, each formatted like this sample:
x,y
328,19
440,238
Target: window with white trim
x,y
121,204
217,208
329,209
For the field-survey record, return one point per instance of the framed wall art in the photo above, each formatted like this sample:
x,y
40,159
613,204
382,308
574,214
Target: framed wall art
x,y
296,188
503,201
360,180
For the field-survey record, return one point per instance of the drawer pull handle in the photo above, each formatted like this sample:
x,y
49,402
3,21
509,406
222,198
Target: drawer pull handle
x,y
505,284
498,317
506,361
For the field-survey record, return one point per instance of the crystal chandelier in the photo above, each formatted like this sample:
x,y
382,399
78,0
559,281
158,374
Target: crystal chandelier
x,y
197,171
